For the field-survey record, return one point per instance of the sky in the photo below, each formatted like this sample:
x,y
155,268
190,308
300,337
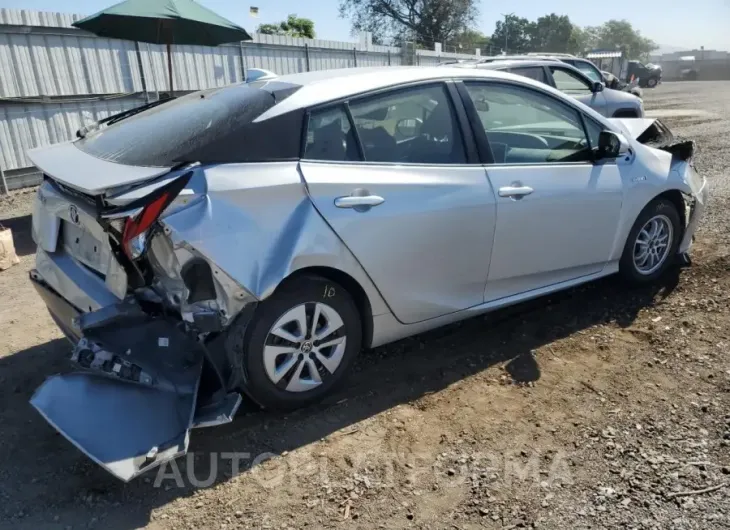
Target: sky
x,y
684,25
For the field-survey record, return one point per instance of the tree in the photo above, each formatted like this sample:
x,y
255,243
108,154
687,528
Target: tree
x,y
513,34
621,35
582,39
470,39
423,21
292,26
550,33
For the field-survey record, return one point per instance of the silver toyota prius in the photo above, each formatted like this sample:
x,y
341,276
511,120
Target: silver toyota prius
x,y
254,238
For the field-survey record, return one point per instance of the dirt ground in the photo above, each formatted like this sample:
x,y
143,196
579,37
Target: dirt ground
x,y
600,407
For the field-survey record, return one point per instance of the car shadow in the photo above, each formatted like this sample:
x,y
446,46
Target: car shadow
x,y
382,378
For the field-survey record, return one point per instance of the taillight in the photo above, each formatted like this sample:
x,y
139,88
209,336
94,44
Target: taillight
x,y
134,235
139,216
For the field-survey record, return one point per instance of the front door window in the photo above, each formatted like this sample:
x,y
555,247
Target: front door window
x,y
527,127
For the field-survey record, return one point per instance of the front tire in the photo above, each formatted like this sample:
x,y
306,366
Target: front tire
x,y
652,243
300,343
652,82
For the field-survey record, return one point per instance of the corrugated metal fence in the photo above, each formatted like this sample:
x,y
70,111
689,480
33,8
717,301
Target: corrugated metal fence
x,y
55,78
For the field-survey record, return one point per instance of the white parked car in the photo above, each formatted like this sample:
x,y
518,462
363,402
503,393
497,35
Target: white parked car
x,y
574,82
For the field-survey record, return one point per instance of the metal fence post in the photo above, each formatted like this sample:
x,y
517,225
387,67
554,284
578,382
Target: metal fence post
x,y
388,57
354,54
141,72
4,183
243,61
306,55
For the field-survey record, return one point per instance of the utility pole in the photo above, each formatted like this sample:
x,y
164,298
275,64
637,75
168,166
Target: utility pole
x,y
506,29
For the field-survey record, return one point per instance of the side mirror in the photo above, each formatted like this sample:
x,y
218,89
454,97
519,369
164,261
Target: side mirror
x,y
408,127
597,87
611,145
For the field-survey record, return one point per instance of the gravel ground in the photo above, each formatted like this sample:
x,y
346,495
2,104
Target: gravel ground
x,y
601,407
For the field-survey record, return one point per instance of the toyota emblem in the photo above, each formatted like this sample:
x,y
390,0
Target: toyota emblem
x,y
73,214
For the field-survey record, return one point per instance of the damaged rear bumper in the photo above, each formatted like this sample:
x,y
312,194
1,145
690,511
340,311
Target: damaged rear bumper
x,y
697,203
62,312
141,388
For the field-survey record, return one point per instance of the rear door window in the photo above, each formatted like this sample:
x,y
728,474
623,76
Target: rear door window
x,y
415,125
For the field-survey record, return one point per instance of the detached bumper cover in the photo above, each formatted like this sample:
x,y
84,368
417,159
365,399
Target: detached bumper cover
x,y
133,408
126,429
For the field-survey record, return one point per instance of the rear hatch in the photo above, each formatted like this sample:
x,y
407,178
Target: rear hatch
x,y
67,164
128,157
135,399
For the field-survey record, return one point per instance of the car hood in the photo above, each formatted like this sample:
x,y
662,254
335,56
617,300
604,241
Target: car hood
x,y
621,96
633,127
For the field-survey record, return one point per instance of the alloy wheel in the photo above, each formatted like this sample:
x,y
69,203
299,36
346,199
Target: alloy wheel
x,y
652,244
304,347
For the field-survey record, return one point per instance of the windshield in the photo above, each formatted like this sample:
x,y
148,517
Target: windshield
x,y
165,135
589,70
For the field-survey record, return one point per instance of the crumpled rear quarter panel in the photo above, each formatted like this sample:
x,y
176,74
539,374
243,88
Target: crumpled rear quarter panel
x,y
258,225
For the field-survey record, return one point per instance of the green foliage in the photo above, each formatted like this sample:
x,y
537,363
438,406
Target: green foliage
x,y
424,22
292,26
556,34
550,33
470,39
512,34
421,23
621,35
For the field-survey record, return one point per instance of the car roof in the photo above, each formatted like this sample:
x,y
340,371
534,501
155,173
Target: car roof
x,y
551,54
499,65
323,86
493,58
518,63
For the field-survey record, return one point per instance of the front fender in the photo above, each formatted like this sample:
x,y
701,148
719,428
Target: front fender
x,y
653,173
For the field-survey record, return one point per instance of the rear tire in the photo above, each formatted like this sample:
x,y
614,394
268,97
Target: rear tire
x,y
652,244
287,360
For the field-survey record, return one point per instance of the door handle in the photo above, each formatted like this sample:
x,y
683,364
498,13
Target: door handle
x,y
359,202
516,192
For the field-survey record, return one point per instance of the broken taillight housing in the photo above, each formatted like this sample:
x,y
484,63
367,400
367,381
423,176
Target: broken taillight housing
x,y
133,221
134,234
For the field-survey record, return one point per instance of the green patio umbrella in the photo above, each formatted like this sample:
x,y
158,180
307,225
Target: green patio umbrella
x,y
163,22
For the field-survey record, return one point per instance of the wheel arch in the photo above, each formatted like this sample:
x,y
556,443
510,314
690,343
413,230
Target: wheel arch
x,y
354,289
673,195
676,197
